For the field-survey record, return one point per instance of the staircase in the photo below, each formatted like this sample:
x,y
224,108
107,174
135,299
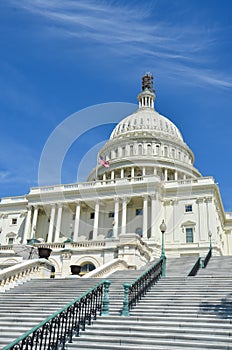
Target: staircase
x,y
179,312
25,306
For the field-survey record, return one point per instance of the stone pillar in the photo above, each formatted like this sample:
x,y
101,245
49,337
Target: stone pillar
x,y
112,175
34,221
145,199
122,173
58,222
124,214
165,174
144,171
176,175
77,221
51,224
116,214
96,220
27,228
153,215
132,172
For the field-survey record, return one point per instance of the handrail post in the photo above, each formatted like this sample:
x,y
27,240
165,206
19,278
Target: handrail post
x,y
105,303
125,309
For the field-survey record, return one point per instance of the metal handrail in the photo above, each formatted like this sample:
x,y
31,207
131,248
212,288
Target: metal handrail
x,y
61,326
208,257
133,292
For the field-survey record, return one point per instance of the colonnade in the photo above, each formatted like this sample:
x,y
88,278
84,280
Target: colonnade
x,y
131,172
120,220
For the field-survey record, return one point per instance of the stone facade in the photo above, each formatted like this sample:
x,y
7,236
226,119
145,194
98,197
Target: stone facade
x,y
118,211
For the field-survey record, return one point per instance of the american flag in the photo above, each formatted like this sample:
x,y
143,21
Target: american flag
x,y
103,162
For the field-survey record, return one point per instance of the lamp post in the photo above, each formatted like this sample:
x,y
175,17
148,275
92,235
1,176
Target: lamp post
x,y
163,228
210,240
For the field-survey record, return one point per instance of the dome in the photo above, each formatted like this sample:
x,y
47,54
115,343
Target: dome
x,y
147,143
146,119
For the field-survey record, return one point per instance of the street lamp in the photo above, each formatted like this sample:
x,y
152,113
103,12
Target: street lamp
x,y
210,240
163,228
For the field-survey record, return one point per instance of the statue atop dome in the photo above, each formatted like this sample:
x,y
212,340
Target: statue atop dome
x,y
147,82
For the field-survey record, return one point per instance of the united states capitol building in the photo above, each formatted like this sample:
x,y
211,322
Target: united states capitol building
x,y
146,174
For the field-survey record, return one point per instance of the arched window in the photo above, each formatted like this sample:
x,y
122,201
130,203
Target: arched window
x,y
116,153
157,147
149,149
90,235
140,150
131,150
123,151
87,267
139,231
165,151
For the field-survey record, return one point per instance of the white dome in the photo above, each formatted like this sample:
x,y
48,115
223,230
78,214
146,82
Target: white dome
x,y
146,119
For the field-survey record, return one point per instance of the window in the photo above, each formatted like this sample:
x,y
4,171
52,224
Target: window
x,y
139,211
110,233
149,149
188,208
139,231
111,214
189,235
90,235
14,221
91,215
87,267
140,150
10,240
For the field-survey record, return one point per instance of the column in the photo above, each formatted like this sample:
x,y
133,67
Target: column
x,y
34,221
165,174
144,171
104,177
112,175
176,175
116,214
145,216
132,172
51,225
124,212
96,220
58,222
153,215
77,221
122,173
27,228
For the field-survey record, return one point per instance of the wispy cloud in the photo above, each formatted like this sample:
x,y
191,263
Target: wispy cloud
x,y
134,31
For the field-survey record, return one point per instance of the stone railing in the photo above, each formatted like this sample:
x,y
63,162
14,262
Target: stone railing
x,y
133,250
91,184
22,272
107,269
199,181
71,245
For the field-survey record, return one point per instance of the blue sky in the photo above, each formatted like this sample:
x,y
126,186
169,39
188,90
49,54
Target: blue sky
x,y
60,56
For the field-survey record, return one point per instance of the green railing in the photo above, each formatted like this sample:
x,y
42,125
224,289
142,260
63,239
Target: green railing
x,y
60,327
133,292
